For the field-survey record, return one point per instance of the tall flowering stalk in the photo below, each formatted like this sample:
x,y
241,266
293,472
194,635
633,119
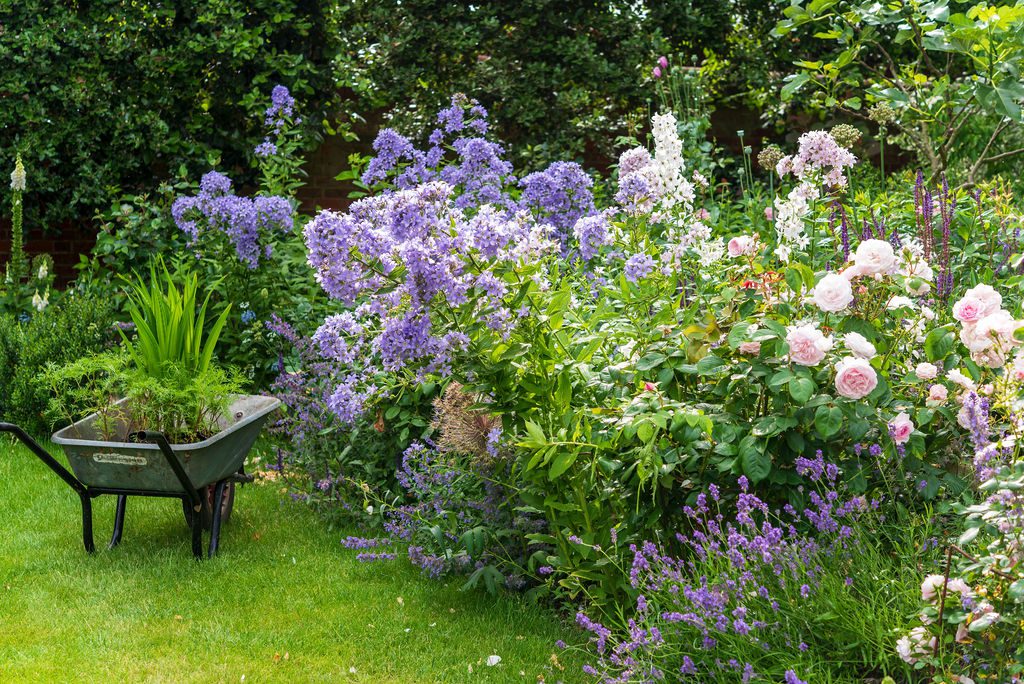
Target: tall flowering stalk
x,y
17,267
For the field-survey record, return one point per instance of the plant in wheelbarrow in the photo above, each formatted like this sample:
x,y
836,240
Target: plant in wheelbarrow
x,y
161,417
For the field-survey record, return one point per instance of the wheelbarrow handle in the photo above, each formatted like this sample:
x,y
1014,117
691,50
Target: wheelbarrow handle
x,y
62,472
174,462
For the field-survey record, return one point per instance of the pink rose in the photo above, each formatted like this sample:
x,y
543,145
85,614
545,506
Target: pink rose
x,y
833,293
937,394
741,245
996,328
855,378
807,346
752,348
1018,368
969,310
926,371
875,257
993,357
900,428
988,296
932,587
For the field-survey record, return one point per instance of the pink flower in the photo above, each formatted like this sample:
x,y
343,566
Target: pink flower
x,y
751,348
969,310
931,588
769,214
741,245
926,371
988,296
656,72
997,327
875,257
833,293
937,394
919,643
807,346
900,428
855,378
1018,368
663,62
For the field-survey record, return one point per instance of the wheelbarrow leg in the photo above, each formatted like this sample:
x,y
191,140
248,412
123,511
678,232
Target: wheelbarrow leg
x,y
197,532
115,539
218,504
87,523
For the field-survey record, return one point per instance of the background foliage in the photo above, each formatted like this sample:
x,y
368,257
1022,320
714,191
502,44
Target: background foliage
x,y
112,94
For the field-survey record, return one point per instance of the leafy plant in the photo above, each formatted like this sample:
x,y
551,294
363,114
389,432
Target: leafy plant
x,y
75,326
168,328
936,69
185,404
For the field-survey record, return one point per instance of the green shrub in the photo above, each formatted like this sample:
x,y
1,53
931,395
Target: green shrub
x,y
74,326
107,95
10,350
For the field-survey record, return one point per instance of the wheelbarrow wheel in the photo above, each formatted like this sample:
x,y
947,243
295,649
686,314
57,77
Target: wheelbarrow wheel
x,y
206,515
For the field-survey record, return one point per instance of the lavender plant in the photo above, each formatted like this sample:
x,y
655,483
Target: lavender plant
x,y
751,593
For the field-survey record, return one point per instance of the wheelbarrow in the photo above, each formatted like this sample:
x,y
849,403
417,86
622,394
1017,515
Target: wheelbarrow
x,y
202,475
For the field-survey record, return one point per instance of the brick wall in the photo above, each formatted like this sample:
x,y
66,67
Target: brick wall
x,y
63,244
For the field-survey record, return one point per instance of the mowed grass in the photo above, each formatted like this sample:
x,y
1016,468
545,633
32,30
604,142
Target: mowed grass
x,y
283,602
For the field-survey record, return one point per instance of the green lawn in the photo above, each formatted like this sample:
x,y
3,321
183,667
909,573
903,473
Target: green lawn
x,y
282,603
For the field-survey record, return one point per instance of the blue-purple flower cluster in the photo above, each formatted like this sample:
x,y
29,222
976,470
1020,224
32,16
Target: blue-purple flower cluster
x,y
441,498
247,222
739,579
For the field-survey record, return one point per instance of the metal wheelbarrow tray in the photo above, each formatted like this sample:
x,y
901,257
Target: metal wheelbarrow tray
x,y
199,474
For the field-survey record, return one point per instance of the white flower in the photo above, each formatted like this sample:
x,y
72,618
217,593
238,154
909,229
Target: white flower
x,y
926,371
493,660
40,303
43,272
918,274
875,257
859,346
668,163
899,303
833,293
18,176
957,377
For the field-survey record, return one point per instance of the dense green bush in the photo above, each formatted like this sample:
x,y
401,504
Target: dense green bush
x,y
110,94
559,80
73,327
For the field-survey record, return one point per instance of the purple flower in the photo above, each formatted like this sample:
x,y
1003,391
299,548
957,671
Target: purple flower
x,y
248,223
638,267
265,149
592,233
791,678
